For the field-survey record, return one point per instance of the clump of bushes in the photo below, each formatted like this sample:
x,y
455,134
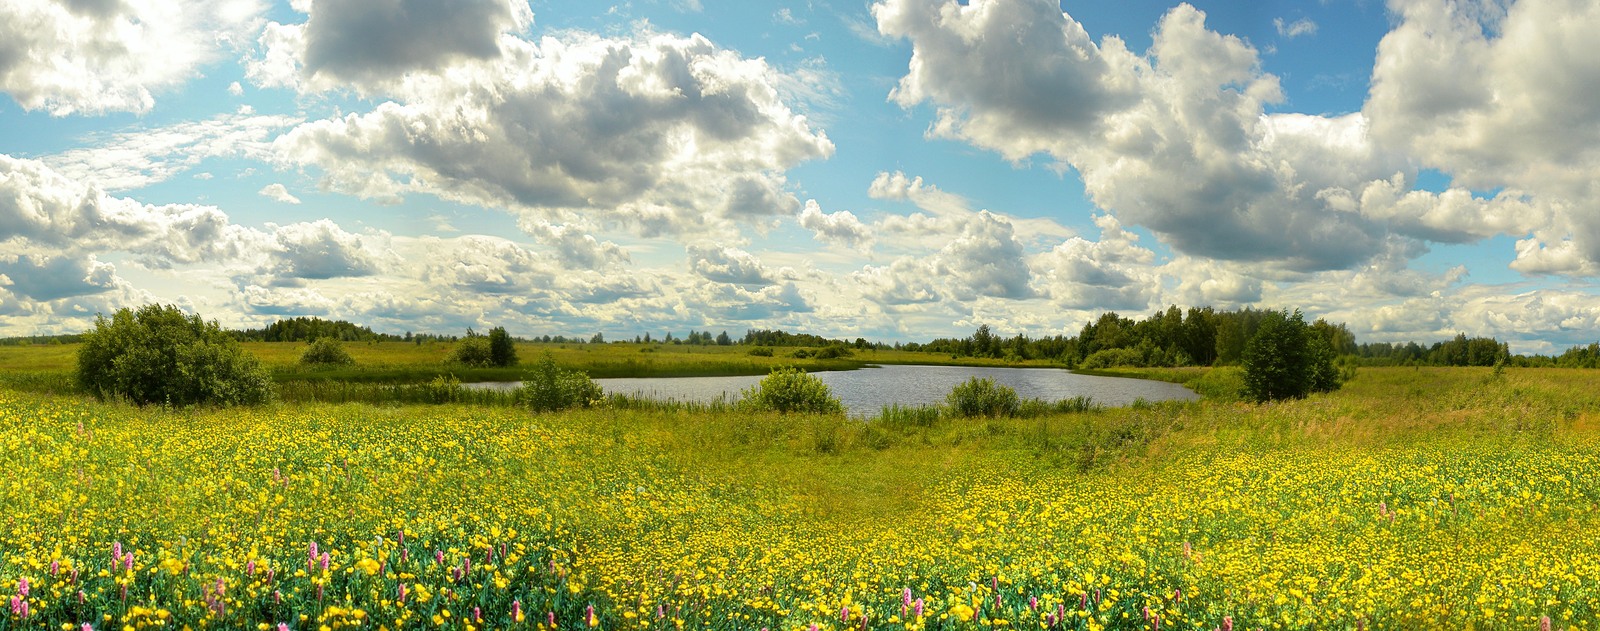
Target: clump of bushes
x,y
982,397
549,387
789,389
159,354
834,351
760,351
478,350
326,351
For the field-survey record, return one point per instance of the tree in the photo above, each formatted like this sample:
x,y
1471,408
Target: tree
x,y
501,351
723,339
1286,359
597,339
158,354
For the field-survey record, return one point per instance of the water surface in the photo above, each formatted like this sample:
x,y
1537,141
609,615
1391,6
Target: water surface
x,y
865,392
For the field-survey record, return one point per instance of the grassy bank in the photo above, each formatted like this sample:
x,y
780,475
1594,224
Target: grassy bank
x,y
1432,498
408,363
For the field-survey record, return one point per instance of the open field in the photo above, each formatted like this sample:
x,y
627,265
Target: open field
x,y
403,362
1431,498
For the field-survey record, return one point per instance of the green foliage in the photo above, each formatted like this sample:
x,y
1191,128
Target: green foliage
x,y
1286,359
549,387
982,397
789,389
760,351
501,351
326,351
472,350
160,355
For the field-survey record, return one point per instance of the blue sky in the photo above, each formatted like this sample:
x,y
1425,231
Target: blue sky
x,y
896,170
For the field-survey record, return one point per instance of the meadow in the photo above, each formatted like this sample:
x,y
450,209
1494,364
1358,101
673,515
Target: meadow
x,y
1412,498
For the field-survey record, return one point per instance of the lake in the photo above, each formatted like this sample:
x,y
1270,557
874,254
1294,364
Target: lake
x,y
865,392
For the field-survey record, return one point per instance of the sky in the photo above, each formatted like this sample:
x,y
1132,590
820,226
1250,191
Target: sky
x,y
897,170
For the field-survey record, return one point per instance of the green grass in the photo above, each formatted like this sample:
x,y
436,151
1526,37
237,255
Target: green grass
x,y
1412,498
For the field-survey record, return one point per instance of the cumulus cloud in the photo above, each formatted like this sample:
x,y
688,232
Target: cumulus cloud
x,y
69,57
48,278
321,250
1112,273
1500,96
662,133
841,228
1177,139
575,248
728,265
905,281
485,265
986,260
43,210
278,192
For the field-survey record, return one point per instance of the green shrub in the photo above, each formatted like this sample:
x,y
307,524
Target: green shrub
x,y
549,387
160,355
761,351
472,350
789,389
982,397
1111,357
326,351
833,351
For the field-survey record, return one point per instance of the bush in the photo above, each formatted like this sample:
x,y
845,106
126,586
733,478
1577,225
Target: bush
x,y
983,397
760,351
326,351
549,387
160,355
502,352
832,351
789,389
472,350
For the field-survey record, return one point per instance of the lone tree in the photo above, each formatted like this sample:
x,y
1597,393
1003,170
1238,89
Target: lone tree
x,y
158,354
1286,359
501,351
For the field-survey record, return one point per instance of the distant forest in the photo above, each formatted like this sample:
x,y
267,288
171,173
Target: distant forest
x,y
1200,336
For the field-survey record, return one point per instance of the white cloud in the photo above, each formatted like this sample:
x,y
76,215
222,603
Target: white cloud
x,y
321,250
97,57
575,248
136,159
1112,273
986,260
1297,28
728,265
1501,96
1193,105
842,227
276,191
661,133
43,211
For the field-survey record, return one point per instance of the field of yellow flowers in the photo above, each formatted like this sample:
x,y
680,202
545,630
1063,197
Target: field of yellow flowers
x,y
1428,499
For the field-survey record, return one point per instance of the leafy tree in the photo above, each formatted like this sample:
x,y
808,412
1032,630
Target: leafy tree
x,y
723,339
326,351
158,354
1286,359
789,389
597,339
501,351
